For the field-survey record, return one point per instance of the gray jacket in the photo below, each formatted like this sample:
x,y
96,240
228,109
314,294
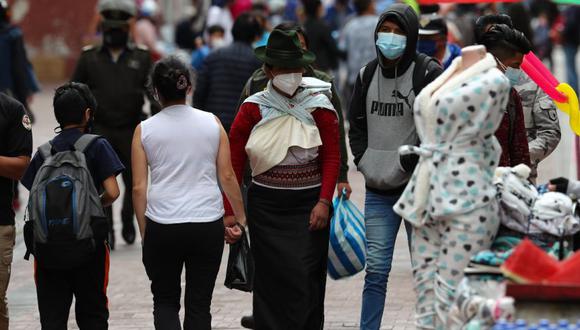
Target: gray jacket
x,y
542,125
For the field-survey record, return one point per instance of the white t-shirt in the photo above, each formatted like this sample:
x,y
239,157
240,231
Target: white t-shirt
x,y
181,144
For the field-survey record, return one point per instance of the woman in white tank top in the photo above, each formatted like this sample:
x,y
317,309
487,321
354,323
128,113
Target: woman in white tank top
x,y
180,211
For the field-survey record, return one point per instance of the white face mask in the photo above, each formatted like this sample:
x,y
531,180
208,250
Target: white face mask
x,y
288,82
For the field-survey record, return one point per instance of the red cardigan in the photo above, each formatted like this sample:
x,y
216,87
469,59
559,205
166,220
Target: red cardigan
x,y
328,153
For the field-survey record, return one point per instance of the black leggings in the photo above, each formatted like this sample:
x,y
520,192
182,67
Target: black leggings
x,y
165,250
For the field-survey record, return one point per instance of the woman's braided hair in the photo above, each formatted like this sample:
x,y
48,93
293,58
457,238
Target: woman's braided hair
x,y
503,41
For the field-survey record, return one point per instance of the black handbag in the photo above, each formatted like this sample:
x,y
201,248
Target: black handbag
x,y
240,271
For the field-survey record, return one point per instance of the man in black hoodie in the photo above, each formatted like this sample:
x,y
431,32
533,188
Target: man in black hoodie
x,y
381,120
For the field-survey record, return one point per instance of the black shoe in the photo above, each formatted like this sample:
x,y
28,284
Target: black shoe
x,y
248,322
112,240
129,233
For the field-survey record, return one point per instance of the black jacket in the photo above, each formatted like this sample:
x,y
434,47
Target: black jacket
x,y
222,78
119,87
322,44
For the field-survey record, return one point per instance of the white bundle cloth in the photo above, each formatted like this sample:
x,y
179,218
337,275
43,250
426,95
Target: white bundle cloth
x,y
525,211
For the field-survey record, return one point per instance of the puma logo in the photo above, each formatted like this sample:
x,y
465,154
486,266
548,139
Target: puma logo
x,y
400,96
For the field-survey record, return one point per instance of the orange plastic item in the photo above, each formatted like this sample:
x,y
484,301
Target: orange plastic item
x,y
529,264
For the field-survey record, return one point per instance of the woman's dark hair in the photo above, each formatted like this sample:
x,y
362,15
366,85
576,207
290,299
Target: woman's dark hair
x,y
361,5
504,42
483,22
215,29
70,102
291,26
246,28
311,7
171,78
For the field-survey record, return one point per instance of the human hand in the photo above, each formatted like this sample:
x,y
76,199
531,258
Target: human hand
x,y
233,234
319,215
343,186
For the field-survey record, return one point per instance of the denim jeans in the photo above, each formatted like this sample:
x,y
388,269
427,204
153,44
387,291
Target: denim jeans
x,y
382,226
570,52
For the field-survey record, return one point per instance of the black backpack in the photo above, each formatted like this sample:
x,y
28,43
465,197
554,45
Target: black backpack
x,y
66,215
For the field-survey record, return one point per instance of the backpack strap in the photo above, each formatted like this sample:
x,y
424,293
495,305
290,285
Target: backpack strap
x,y
45,150
422,63
84,141
367,77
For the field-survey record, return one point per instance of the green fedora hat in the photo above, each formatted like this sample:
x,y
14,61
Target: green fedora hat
x,y
284,50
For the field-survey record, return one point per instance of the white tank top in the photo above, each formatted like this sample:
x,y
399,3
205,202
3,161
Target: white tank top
x,y
181,144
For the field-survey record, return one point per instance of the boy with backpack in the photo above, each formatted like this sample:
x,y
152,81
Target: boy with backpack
x,y
71,178
381,120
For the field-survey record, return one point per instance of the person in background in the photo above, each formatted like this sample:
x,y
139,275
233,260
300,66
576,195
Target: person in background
x,y
17,77
225,71
183,227
571,42
540,114
15,152
509,47
358,41
192,26
320,40
146,29
221,14
74,108
260,10
116,72
433,40
381,120
338,14
215,41
292,185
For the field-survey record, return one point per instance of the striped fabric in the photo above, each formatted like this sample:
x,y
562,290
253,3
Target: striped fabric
x,y
347,249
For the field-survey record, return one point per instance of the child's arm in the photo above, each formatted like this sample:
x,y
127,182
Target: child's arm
x,y
111,191
139,166
13,167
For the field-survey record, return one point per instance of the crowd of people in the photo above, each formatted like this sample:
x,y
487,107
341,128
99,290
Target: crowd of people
x,y
275,99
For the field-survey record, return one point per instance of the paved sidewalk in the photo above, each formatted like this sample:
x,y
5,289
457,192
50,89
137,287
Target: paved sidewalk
x,y
131,300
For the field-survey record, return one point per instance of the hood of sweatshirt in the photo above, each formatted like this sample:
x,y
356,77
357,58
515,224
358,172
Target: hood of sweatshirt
x,y
407,19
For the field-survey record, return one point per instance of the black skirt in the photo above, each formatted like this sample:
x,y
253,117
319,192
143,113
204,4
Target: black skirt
x,y
290,278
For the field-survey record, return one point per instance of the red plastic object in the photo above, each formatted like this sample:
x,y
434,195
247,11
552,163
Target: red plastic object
x,y
569,272
543,292
529,264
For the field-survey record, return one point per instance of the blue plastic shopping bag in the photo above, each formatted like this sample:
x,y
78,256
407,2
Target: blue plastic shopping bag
x,y
347,248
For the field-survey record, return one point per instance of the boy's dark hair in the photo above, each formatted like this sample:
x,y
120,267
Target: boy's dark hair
x,y
171,78
362,5
215,29
484,21
311,7
70,102
504,42
246,28
291,26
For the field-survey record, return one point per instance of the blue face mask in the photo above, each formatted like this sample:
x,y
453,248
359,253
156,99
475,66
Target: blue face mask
x,y
514,75
391,45
427,47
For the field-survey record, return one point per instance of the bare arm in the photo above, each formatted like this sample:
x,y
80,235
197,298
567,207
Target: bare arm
x,y
139,167
13,167
111,191
228,180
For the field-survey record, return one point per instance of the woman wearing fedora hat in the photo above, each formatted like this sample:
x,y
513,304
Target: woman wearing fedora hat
x,y
289,133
